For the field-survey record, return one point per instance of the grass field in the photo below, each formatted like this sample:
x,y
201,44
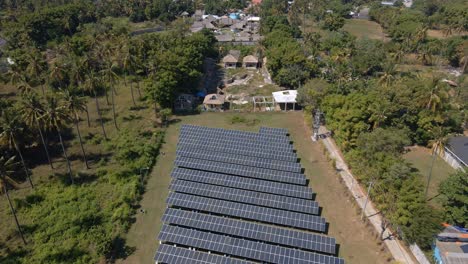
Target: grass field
x,y
421,159
361,28
357,244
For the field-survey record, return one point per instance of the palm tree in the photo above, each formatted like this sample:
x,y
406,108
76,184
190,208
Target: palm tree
x,y
57,73
75,104
436,92
77,75
388,74
15,76
127,61
111,77
57,117
32,110
35,67
7,168
11,130
438,148
92,85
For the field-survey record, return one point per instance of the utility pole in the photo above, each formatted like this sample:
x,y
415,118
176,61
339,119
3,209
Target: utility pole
x,y
316,124
367,200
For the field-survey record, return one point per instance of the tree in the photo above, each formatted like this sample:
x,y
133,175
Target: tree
x,y
32,110
57,117
333,22
75,104
127,61
92,85
438,148
109,73
11,131
454,191
36,67
165,114
162,90
7,168
388,75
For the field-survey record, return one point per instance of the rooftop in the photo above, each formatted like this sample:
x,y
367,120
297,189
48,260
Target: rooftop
x,y
459,146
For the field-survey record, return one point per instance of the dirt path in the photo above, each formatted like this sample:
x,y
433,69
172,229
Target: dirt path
x,y
357,244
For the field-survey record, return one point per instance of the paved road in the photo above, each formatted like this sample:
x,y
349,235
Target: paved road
x,y
398,251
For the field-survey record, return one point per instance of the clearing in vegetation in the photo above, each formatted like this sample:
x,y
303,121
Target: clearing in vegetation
x,y
362,28
357,243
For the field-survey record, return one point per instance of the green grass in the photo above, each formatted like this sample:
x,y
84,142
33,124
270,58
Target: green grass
x,y
357,244
421,159
361,28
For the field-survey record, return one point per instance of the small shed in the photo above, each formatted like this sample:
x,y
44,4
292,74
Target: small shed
x,y
250,62
214,102
286,98
231,59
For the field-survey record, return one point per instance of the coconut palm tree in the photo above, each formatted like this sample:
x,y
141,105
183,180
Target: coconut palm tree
x,y
127,62
388,75
92,85
75,104
35,68
438,148
31,109
11,131
7,167
57,117
436,92
109,74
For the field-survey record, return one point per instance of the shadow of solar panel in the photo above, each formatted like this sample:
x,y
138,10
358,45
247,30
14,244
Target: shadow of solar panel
x,y
248,197
171,254
255,231
240,170
240,159
241,248
191,129
246,211
240,150
278,188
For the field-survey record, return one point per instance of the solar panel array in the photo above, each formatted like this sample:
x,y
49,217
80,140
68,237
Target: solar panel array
x,y
241,197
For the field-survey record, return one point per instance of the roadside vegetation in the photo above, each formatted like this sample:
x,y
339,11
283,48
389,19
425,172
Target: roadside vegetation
x,y
375,109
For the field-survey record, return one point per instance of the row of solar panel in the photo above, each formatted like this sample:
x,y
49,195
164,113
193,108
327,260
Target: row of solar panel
x,y
242,248
247,211
257,185
168,254
249,230
240,170
248,197
273,131
234,134
239,159
227,141
246,150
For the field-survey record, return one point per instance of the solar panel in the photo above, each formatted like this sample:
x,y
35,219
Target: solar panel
x,y
266,146
247,197
171,254
240,150
255,231
273,131
239,159
190,129
246,211
243,183
242,248
235,169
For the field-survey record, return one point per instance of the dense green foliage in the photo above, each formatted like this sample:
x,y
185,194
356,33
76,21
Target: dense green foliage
x,y
454,192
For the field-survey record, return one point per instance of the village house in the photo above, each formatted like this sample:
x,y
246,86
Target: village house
x,y
231,59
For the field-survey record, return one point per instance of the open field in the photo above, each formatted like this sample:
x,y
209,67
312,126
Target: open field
x,y
421,159
361,28
357,244
439,34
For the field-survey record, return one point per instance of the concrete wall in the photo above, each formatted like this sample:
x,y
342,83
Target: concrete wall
x,y
452,160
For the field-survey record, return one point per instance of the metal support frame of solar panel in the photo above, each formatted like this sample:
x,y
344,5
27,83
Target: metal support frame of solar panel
x,y
241,160
241,247
171,254
250,230
247,211
234,141
247,197
273,131
234,134
240,170
240,150
238,182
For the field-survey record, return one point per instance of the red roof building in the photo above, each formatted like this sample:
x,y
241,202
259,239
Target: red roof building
x,y
256,2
